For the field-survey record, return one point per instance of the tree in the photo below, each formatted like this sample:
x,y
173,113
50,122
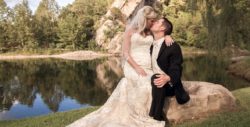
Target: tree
x,y
241,27
4,23
213,24
46,23
23,23
3,10
73,32
67,29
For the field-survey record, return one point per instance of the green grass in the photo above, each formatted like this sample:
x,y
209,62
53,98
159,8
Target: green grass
x,y
60,119
239,118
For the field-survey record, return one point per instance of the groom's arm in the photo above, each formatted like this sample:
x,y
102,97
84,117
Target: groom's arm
x,y
175,66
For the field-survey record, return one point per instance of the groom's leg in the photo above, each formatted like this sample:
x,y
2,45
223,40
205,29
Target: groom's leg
x,y
158,98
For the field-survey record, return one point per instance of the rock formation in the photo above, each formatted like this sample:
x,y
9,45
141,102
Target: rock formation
x,y
109,34
206,98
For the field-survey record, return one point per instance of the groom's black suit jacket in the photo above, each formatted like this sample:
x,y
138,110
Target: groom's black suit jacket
x,y
170,61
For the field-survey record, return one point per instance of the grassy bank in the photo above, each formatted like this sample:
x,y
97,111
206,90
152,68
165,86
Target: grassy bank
x,y
230,119
241,68
60,119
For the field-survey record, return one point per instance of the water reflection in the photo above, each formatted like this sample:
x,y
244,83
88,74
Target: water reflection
x,y
211,68
87,82
36,87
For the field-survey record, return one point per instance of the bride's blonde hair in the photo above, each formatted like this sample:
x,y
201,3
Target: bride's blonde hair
x,y
139,22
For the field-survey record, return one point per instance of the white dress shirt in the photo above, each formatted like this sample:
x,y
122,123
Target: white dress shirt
x,y
156,49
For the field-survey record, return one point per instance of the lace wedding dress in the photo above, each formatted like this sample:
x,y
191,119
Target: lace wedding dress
x,y
129,104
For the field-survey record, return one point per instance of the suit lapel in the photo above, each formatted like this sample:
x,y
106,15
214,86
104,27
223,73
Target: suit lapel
x,y
163,46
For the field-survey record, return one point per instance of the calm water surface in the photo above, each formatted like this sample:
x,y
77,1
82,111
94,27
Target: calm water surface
x,y
38,87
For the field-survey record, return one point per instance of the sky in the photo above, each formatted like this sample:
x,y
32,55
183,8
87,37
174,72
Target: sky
x,y
33,4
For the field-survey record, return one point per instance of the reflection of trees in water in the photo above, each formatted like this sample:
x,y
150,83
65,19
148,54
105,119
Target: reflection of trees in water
x,y
88,82
210,68
5,100
109,74
13,91
56,79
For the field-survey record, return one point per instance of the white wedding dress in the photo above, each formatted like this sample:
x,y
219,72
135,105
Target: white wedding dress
x,y
129,104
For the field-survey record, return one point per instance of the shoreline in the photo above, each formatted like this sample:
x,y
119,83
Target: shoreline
x,y
74,55
83,55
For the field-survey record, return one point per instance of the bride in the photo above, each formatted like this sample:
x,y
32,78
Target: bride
x,y
129,104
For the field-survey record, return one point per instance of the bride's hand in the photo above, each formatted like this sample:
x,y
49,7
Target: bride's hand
x,y
168,40
140,71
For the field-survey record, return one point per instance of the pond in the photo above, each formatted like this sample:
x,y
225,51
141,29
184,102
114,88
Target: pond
x,y
38,87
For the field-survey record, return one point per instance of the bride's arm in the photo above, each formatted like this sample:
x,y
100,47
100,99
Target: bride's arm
x,y
126,53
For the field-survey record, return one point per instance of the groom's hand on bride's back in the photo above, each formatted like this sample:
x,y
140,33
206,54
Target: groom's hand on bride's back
x,y
161,80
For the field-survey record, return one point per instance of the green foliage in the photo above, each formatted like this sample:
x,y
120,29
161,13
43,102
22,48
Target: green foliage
x,y
188,28
201,23
46,23
3,10
72,27
210,23
242,28
68,27
74,32
23,24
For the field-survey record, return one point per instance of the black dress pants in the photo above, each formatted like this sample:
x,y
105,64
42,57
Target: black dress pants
x,y
159,94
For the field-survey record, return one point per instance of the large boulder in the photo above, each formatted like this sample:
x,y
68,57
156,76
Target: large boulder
x,y
206,98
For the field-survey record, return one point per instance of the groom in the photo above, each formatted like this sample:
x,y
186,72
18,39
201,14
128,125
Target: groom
x,y
166,63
